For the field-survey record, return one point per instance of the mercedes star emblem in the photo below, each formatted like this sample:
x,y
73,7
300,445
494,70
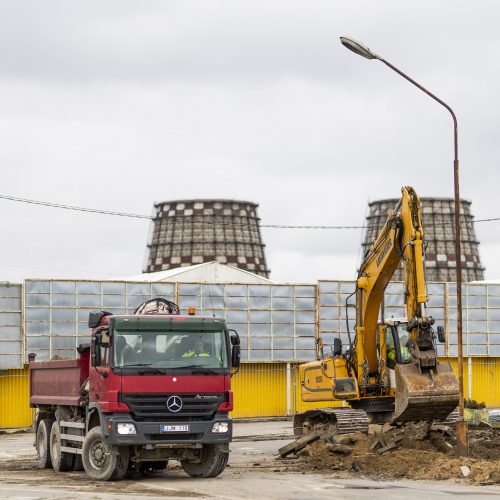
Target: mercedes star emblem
x,y
174,404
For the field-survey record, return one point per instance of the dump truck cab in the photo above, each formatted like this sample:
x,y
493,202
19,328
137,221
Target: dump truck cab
x,y
155,379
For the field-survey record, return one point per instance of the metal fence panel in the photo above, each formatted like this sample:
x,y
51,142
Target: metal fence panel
x,y
481,314
11,340
276,322
56,311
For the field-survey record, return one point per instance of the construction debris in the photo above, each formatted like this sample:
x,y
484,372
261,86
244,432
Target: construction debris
x,y
465,470
341,449
412,450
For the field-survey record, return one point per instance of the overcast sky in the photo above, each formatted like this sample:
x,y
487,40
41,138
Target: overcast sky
x,y
119,104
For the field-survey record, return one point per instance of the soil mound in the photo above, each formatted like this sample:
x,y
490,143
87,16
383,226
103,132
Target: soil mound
x,y
411,451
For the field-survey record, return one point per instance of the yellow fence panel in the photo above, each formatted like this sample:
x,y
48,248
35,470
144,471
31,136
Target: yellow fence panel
x,y
15,409
486,381
259,390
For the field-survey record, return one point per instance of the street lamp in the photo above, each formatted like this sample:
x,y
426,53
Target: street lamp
x,y
364,51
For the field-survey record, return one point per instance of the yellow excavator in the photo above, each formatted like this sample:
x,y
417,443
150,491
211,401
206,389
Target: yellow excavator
x,y
390,372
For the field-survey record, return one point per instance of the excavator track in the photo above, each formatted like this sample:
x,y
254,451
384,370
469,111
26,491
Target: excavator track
x,y
346,420
451,419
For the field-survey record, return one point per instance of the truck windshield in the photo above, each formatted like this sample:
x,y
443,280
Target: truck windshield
x,y
170,349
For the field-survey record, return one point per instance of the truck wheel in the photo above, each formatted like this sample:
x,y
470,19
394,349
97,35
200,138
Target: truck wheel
x,y
43,443
101,461
61,461
122,462
213,462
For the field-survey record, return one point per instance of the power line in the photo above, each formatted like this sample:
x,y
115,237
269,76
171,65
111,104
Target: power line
x,y
141,216
71,207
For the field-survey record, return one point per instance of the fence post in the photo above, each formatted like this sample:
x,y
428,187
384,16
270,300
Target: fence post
x,y
288,389
469,378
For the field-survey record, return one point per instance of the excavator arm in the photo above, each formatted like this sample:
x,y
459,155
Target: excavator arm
x,y
425,388
400,239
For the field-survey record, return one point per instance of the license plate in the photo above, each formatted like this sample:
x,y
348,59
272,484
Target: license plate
x,y
175,428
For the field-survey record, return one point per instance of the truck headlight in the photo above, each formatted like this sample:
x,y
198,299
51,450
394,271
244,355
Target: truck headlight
x,y
220,427
125,429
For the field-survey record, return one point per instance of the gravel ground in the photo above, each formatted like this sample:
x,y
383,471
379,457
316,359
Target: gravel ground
x,y
254,471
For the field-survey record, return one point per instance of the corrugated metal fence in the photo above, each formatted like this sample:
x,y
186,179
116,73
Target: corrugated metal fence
x,y
260,390
14,399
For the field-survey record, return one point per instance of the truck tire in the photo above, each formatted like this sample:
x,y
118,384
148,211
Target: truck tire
x,y
61,460
43,443
101,461
213,462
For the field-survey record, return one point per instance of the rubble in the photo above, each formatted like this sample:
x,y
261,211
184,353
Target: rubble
x,y
465,470
412,451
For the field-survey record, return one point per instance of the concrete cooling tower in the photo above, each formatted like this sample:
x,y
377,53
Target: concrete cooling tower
x,y
188,232
439,227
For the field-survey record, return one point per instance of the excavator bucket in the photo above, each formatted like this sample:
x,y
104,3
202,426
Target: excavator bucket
x,y
431,395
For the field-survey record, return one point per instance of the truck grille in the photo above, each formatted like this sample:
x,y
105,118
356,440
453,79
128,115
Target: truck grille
x,y
153,407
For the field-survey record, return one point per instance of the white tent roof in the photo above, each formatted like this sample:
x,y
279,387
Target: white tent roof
x,y
208,272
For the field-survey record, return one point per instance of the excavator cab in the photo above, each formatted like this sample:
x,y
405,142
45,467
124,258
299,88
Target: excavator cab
x,y
396,345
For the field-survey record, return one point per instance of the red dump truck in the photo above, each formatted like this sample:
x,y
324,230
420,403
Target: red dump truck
x,y
149,387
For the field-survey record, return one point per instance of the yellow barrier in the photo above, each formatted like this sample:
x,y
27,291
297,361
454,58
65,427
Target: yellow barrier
x,y
14,399
260,390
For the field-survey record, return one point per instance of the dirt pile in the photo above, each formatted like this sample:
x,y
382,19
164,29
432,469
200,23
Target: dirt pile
x,y
411,451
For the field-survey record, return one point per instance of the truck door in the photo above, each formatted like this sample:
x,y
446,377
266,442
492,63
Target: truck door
x,y
99,371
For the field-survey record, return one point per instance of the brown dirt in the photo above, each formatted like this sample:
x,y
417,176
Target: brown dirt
x,y
420,453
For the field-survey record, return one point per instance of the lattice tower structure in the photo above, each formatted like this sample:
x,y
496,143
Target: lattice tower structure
x,y
188,232
438,220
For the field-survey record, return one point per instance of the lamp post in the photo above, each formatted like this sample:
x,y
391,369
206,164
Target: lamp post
x,y
461,429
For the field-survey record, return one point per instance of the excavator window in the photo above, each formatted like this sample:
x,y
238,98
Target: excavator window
x,y
397,351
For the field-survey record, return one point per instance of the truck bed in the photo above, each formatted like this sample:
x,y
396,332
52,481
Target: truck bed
x,y
57,382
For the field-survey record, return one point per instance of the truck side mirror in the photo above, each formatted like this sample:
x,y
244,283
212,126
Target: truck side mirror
x,y
235,349
95,318
337,347
235,356
441,335
96,349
